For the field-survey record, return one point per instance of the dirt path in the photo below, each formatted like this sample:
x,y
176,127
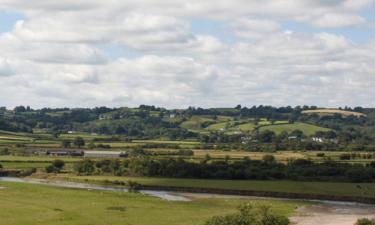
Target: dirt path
x,y
332,214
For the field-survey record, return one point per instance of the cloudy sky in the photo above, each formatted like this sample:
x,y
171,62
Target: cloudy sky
x,y
177,53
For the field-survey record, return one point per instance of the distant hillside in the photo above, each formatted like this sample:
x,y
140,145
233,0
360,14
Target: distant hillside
x,y
327,112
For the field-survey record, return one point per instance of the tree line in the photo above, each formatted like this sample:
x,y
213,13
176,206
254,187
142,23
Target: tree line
x,y
266,169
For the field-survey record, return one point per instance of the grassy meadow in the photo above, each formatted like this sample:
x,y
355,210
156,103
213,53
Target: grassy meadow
x,y
34,204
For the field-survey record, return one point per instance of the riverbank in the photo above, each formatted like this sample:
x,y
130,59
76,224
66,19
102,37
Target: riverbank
x,y
332,214
346,192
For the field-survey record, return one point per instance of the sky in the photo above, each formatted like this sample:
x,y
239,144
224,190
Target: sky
x,y
175,54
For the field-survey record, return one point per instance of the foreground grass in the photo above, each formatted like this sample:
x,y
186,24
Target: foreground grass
x,y
321,188
43,205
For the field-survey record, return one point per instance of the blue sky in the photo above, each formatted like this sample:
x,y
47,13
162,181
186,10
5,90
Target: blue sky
x,y
8,19
176,53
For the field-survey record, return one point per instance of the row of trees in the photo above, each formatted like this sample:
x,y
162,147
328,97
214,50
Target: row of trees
x,y
247,169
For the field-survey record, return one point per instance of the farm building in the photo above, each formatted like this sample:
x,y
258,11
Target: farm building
x,y
104,154
59,153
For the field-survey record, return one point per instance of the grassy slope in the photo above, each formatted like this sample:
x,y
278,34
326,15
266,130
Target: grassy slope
x,y
307,129
326,188
37,204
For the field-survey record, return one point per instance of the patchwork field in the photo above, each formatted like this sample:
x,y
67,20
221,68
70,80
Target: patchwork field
x,y
307,129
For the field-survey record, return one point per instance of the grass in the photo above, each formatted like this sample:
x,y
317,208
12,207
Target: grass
x,y
43,205
11,158
247,126
217,126
195,123
322,188
307,129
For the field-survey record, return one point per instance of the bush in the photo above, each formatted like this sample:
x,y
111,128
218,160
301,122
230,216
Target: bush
x,y
365,221
133,186
50,169
85,167
320,154
58,164
250,215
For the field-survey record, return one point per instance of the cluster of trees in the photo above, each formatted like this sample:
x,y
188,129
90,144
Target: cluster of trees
x,y
77,142
55,167
266,169
249,214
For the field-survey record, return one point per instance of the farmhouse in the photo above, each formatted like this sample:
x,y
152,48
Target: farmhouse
x,y
104,154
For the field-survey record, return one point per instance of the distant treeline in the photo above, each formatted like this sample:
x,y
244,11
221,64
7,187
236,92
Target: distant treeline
x,y
150,122
247,169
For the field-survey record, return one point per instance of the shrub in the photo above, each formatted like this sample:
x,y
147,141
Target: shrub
x,y
50,169
345,156
58,164
133,186
365,221
250,215
85,167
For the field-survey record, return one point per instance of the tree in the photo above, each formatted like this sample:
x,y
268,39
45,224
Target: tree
x,y
66,143
266,136
79,142
85,167
269,159
58,164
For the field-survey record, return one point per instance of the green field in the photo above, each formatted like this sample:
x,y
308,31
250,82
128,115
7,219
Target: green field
x,y
33,204
321,188
307,129
195,123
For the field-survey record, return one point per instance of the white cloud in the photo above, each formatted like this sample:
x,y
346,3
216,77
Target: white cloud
x,y
338,20
57,56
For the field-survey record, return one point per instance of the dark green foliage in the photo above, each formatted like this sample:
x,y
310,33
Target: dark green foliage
x,y
250,215
66,143
268,169
56,166
79,142
50,169
133,186
59,164
85,167
365,221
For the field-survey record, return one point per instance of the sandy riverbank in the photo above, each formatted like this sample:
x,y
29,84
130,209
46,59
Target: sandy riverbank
x,y
332,214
